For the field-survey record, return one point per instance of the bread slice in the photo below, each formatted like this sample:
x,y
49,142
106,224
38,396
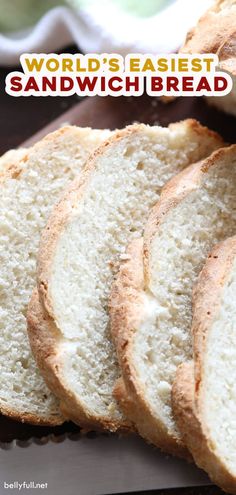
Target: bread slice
x,y
204,393
79,255
11,157
29,188
151,298
216,33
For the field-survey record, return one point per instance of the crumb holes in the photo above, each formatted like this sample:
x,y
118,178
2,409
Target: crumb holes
x,y
16,388
24,363
24,312
150,356
140,166
129,151
208,312
215,257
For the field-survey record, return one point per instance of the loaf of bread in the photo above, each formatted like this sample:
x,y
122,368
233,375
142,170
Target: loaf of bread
x,y
216,33
151,298
30,185
203,395
80,253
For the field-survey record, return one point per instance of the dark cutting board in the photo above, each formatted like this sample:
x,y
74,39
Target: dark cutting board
x,y
109,112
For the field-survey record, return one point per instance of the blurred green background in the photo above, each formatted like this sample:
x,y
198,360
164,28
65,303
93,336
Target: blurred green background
x,y
20,14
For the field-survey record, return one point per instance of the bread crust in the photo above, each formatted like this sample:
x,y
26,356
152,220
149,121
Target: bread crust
x,y
173,193
127,305
127,313
44,333
32,419
187,393
50,236
12,169
190,425
44,346
215,33
73,195
207,299
14,164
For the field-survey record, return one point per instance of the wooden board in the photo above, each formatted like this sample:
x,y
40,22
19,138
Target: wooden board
x,y
112,113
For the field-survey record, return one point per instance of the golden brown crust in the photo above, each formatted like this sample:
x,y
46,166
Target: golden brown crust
x,y
183,403
183,407
44,346
32,419
127,303
127,313
125,401
207,299
12,170
60,215
75,192
227,54
47,248
14,164
215,33
62,211
187,394
179,187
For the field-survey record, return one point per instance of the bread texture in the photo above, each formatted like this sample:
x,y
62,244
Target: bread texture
x,y
11,157
151,298
29,188
216,33
80,253
203,394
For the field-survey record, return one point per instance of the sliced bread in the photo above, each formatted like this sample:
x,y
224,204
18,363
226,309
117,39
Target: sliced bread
x,y
11,157
79,255
29,188
151,298
216,33
203,394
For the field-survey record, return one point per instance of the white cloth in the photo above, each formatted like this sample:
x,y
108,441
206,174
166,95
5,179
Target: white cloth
x,y
96,30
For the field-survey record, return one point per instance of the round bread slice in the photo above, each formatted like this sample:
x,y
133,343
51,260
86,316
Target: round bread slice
x,y
29,188
216,33
203,394
151,299
79,255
